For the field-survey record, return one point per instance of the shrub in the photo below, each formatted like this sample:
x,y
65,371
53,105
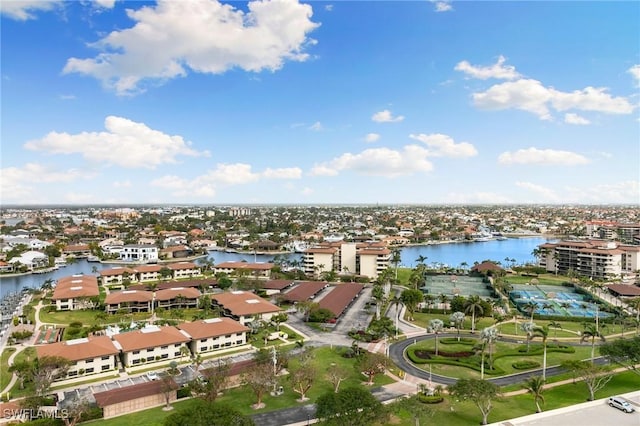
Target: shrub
x,y
75,324
184,392
430,399
525,365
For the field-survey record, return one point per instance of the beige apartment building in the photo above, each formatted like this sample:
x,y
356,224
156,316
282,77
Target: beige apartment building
x,y
151,344
366,259
595,259
214,334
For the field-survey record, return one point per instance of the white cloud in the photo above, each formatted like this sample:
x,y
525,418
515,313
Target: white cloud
x,y
316,127
203,36
222,175
125,143
480,197
497,70
78,198
635,73
24,10
442,5
122,184
16,183
530,95
386,116
444,146
571,118
378,162
67,97
542,157
371,137
328,7
306,191
107,4
547,194
617,192
284,173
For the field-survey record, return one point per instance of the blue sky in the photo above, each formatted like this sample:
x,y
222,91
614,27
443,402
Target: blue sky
x,y
422,102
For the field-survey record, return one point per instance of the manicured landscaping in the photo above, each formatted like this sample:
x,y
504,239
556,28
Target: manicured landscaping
x,y
5,376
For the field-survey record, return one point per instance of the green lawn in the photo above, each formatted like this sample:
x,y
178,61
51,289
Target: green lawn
x,y
5,376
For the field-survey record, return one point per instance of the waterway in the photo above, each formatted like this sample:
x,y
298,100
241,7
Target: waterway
x,y
451,254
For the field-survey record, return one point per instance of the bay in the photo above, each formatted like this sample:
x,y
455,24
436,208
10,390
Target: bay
x,y
448,254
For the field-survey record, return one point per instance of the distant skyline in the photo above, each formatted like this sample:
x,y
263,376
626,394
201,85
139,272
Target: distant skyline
x,y
352,102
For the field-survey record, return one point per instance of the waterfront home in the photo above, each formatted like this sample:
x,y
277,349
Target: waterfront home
x,y
175,252
116,276
31,260
177,297
129,301
146,273
258,270
144,253
75,292
76,250
87,356
151,344
244,306
214,334
366,259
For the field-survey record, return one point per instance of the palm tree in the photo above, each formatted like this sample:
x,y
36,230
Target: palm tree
x,y
530,308
528,327
428,300
443,299
542,332
535,386
473,304
556,325
397,303
436,326
591,332
395,260
488,336
458,319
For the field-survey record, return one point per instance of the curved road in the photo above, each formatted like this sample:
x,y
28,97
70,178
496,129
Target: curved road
x,y
397,351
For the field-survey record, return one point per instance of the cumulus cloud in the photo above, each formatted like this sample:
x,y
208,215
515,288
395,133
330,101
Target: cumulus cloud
x,y
316,127
386,116
444,146
107,4
222,175
16,183
498,70
615,192
371,137
635,74
547,194
205,36
125,143
122,184
26,9
571,118
378,162
530,95
542,157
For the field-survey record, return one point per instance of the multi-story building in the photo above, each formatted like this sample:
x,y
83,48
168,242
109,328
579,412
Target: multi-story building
x,y
177,297
184,270
214,334
144,253
595,259
244,306
92,355
75,292
151,344
257,270
367,259
129,300
627,233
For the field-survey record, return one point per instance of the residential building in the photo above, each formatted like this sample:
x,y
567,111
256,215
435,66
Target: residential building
x,y
75,292
129,301
146,273
31,260
366,259
177,297
151,344
257,270
91,355
143,253
116,276
213,334
244,306
183,270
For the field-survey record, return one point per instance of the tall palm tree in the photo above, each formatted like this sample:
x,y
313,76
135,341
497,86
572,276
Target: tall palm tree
x,y
473,305
530,308
396,258
592,333
556,325
443,299
428,300
488,336
457,318
397,303
436,326
535,386
543,333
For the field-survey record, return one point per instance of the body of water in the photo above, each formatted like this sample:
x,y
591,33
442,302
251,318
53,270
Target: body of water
x,y
452,255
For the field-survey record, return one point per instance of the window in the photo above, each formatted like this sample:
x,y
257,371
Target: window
x,y
203,340
177,345
204,348
176,353
228,344
88,361
150,359
72,373
136,352
239,342
135,361
105,358
228,336
164,356
105,367
164,347
215,346
88,370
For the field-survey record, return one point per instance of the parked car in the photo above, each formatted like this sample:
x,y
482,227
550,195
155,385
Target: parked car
x,y
620,404
152,375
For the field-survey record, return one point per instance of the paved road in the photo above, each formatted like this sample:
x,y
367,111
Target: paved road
x,y
397,354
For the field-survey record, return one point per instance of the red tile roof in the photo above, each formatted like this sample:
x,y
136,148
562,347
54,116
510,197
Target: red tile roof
x,y
173,292
340,297
128,393
79,349
128,296
149,337
243,303
305,290
212,327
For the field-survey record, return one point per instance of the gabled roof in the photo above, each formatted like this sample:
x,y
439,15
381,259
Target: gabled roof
x,y
243,303
182,265
150,337
79,349
115,271
124,296
212,327
245,265
173,292
147,268
76,286
140,390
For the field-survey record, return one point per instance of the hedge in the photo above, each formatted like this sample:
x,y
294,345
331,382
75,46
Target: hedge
x,y
525,365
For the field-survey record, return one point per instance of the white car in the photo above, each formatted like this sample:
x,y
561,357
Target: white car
x,y
152,375
620,404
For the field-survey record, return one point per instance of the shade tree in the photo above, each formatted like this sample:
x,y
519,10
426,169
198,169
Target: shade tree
x,y
481,392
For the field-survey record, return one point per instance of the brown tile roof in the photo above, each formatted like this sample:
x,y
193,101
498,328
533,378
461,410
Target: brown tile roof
x,y
79,349
305,290
244,303
374,251
128,393
601,251
321,250
245,265
149,337
171,249
128,296
486,266
340,297
115,271
182,265
77,247
148,268
624,289
212,327
173,292
76,286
